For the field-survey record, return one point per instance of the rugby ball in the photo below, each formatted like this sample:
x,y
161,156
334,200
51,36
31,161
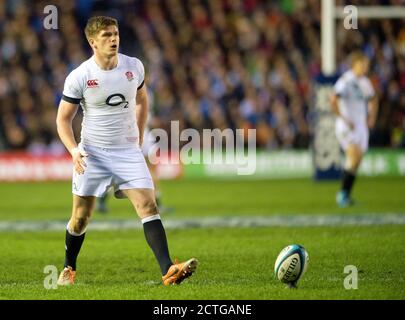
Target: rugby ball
x,y
291,264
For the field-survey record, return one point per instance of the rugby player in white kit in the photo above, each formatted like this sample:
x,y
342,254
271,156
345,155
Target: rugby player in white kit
x,y
355,105
111,91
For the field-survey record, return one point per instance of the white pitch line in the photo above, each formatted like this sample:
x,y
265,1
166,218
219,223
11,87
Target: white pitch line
x,y
221,222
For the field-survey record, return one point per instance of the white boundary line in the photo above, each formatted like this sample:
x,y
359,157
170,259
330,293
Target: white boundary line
x,y
221,222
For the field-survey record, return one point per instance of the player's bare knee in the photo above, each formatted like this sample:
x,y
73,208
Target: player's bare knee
x,y
147,208
82,211
78,224
356,162
80,219
349,165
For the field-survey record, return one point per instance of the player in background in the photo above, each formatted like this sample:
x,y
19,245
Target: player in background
x,y
111,90
355,104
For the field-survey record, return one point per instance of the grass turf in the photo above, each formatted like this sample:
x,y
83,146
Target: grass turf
x,y
234,264
32,201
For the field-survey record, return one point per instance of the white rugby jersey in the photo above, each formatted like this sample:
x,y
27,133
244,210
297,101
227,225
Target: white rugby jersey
x,y
107,98
354,94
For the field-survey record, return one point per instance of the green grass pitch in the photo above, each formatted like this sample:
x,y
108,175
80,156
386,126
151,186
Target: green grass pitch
x,y
235,263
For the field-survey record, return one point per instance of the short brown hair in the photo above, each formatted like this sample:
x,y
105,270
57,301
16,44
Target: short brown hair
x,y
96,24
357,56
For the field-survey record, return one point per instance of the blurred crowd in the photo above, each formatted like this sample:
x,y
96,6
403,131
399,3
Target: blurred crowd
x,y
209,63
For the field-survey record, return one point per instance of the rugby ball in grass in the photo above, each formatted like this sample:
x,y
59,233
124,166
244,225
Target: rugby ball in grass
x,y
291,264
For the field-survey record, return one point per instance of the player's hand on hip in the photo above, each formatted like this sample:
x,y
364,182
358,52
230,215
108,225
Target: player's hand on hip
x,y
78,161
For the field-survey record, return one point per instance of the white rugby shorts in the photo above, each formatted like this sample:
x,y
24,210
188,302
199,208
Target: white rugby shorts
x,y
346,136
121,168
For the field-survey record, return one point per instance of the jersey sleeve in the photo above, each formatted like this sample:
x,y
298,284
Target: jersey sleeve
x,y
141,74
72,91
370,93
340,87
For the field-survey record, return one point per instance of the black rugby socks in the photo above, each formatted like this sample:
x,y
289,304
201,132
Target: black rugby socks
x,y
73,243
348,181
156,237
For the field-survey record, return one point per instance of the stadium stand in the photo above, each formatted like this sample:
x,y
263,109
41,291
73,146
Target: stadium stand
x,y
210,64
